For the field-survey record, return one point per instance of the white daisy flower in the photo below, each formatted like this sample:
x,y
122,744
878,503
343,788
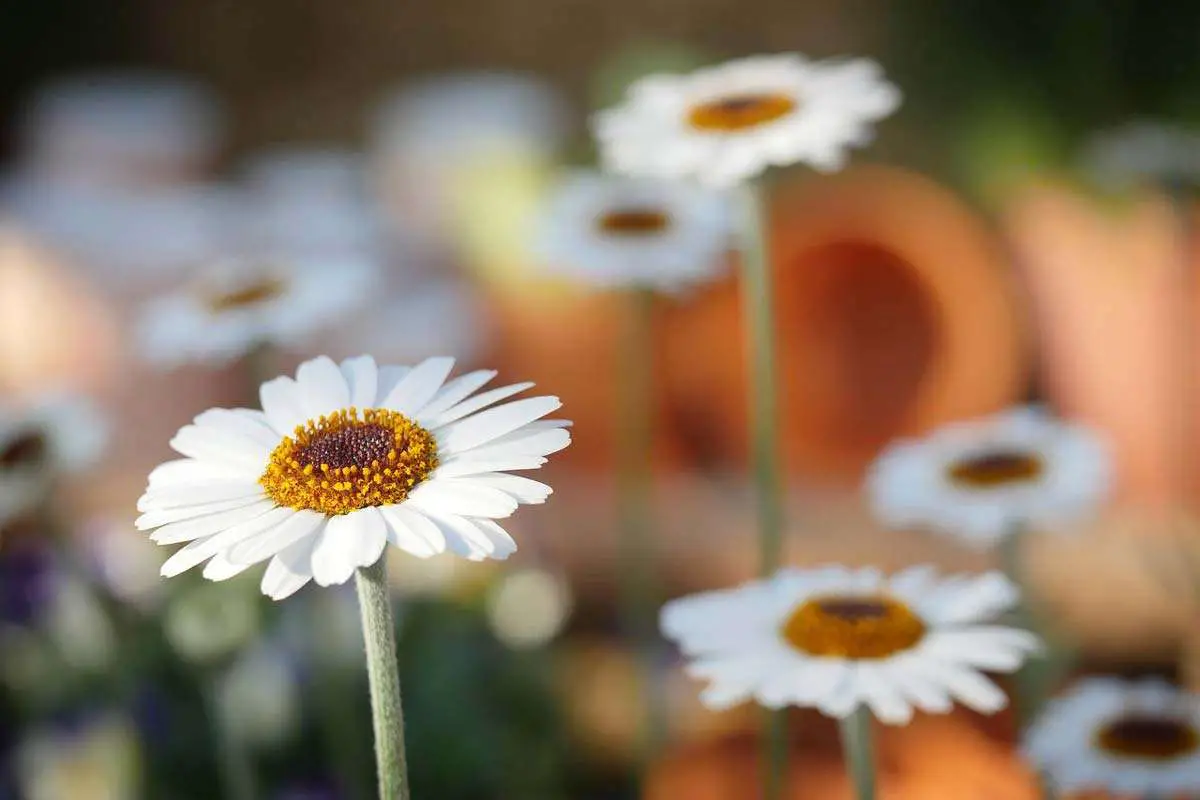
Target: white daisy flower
x,y
728,123
983,479
835,639
1140,738
1144,150
614,231
53,434
236,304
342,460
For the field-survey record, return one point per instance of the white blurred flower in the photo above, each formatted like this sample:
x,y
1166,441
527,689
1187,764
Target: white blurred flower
x,y
97,760
1130,738
82,633
207,623
725,124
258,698
836,638
982,480
127,564
611,231
1144,150
528,608
234,305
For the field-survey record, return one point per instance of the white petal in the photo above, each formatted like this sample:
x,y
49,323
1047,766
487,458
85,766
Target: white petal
x,y
505,544
289,571
362,378
877,690
195,525
240,421
494,423
213,444
534,443
462,537
419,386
389,376
521,489
187,557
468,465
283,405
370,545
474,404
412,532
462,498
261,547
198,494
322,388
220,568
970,687
453,392
190,470
336,552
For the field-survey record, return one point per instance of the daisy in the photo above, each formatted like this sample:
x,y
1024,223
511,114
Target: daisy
x,y
728,123
234,305
1144,150
1141,738
614,231
982,480
836,639
53,434
342,460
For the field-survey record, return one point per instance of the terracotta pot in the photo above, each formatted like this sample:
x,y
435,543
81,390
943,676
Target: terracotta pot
x,y
895,314
1106,282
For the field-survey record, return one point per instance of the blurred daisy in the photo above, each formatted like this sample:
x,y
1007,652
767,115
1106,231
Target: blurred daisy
x,y
983,479
235,305
96,756
53,434
835,639
613,231
1144,151
1140,738
728,123
344,459
206,624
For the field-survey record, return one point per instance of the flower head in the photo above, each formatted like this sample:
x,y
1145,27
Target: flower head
x,y
982,479
612,231
728,123
344,459
234,305
1141,738
835,638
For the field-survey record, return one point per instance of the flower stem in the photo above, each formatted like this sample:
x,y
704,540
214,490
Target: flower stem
x,y
759,319
638,591
383,672
858,751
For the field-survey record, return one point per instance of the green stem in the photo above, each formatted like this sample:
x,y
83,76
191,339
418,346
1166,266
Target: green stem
x,y
383,672
638,590
235,769
759,318
857,749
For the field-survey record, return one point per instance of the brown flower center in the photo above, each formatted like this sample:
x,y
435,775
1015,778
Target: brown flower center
x,y
250,294
857,627
633,221
740,112
350,460
25,450
1147,737
996,468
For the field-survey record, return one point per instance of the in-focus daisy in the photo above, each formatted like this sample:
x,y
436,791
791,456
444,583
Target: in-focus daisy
x,y
343,459
1139,737
835,639
234,305
1144,151
50,435
983,479
728,123
613,231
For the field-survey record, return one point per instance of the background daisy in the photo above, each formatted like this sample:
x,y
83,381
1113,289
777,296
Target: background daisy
x,y
836,639
727,123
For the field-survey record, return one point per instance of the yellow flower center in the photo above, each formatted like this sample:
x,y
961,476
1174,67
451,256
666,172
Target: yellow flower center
x,y
857,627
26,449
996,468
254,293
740,112
350,460
633,222
1147,737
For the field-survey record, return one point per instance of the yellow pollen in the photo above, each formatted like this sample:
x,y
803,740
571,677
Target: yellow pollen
x,y
856,627
350,460
740,112
633,222
1147,737
990,470
250,294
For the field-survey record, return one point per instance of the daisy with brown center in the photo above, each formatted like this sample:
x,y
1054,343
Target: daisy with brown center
x,y
233,306
611,232
837,639
1139,737
983,480
726,124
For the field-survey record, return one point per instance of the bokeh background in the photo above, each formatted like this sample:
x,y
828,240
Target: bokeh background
x,y
973,258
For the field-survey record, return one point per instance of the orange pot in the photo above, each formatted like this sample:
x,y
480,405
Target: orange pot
x,y
895,314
